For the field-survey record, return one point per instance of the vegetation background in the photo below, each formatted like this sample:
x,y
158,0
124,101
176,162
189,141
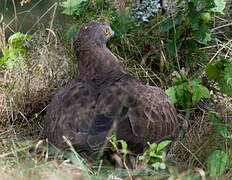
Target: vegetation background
x,y
184,47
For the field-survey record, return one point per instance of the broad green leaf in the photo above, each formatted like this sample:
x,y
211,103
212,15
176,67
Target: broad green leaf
x,y
183,95
220,6
163,144
212,71
177,80
217,163
206,16
202,34
168,24
171,92
71,6
226,83
218,124
172,47
193,16
207,4
158,155
17,37
183,76
1,61
199,92
72,32
192,46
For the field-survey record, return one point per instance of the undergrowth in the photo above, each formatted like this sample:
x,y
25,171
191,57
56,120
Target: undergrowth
x,y
189,57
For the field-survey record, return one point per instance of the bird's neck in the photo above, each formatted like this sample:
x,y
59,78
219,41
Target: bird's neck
x,y
98,65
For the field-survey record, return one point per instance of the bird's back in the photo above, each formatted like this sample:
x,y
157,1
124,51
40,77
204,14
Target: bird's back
x,y
136,113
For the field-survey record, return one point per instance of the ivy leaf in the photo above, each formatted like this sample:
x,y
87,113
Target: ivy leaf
x,y
17,37
199,92
207,4
71,6
226,83
168,24
217,163
212,71
71,33
171,92
183,95
172,49
193,16
202,35
218,124
206,16
220,6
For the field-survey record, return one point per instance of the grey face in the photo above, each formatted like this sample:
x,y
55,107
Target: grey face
x,y
98,32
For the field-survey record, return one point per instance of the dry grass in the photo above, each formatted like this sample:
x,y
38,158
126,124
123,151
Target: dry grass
x,y
28,89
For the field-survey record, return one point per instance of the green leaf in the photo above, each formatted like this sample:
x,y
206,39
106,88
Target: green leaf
x,y
163,144
172,49
206,16
212,71
124,147
220,6
217,163
72,32
141,158
17,37
72,6
122,22
159,165
192,46
218,124
124,144
171,92
177,80
202,34
193,16
183,95
199,92
226,83
168,24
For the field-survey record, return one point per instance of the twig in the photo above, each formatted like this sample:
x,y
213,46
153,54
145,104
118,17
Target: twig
x,y
220,50
192,154
15,14
41,17
51,31
18,150
124,162
201,172
225,25
150,76
51,24
177,57
8,26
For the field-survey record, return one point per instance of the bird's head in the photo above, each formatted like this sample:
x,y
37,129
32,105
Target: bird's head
x,y
94,32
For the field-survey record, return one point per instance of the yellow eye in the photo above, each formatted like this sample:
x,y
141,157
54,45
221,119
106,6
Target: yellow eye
x,y
107,31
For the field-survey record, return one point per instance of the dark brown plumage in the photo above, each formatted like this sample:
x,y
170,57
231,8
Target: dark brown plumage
x,y
105,99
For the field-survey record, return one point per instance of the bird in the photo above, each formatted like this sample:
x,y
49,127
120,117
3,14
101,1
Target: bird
x,y
104,99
